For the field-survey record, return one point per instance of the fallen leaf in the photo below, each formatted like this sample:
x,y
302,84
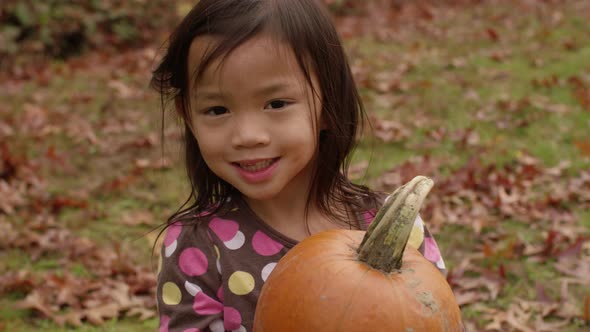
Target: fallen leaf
x,y
140,217
584,147
36,300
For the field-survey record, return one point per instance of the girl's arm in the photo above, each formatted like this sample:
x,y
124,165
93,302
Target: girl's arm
x,y
422,239
188,290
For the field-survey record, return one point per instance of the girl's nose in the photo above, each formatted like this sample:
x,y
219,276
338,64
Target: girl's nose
x,y
250,132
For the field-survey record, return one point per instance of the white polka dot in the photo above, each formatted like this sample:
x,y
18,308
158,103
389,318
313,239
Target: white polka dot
x,y
218,264
191,288
217,326
237,242
170,249
241,329
267,270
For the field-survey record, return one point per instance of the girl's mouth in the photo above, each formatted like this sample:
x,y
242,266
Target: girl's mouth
x,y
258,170
256,165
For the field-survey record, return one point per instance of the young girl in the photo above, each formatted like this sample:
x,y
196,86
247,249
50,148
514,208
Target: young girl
x,y
270,113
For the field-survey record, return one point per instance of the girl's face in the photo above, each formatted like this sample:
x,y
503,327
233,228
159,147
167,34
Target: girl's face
x,y
255,118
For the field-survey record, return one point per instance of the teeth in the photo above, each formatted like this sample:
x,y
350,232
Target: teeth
x,y
257,166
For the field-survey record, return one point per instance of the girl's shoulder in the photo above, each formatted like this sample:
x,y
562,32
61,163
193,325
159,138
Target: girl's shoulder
x,y
225,226
196,221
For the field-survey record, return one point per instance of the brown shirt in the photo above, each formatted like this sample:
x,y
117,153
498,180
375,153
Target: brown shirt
x,y
213,268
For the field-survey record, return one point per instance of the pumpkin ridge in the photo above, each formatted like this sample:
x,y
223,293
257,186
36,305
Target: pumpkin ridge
x,y
351,301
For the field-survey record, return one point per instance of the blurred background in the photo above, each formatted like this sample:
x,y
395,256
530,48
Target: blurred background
x,y
490,98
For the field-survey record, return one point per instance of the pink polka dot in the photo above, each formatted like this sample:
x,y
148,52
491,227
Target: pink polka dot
x,y
369,216
204,305
220,293
431,251
172,233
224,229
232,320
164,320
193,262
264,245
192,329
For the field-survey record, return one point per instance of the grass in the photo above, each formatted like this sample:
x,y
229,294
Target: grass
x,y
438,86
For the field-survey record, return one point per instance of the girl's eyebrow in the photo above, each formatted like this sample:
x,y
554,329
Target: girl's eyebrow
x,y
209,95
265,90
273,88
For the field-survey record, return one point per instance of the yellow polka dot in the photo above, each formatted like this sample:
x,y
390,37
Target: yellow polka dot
x,y
159,264
416,236
241,283
171,294
217,252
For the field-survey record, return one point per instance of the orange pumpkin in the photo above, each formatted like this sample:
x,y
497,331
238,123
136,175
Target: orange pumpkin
x,y
359,281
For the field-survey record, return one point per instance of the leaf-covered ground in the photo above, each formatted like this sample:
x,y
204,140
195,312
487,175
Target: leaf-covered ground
x,y
492,101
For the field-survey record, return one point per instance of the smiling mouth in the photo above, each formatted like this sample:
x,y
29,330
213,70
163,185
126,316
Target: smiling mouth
x,y
255,166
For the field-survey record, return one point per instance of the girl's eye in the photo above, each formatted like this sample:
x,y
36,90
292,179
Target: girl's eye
x,y
216,110
276,104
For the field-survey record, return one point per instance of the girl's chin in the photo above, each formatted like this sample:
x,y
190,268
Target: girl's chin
x,y
258,196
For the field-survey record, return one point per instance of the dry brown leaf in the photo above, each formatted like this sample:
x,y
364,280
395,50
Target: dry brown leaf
x,y
470,297
389,130
38,300
123,89
73,318
141,313
139,217
80,130
578,269
356,171
518,318
13,196
97,315
541,325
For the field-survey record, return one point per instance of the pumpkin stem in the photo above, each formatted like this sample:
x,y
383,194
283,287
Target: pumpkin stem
x,y
385,241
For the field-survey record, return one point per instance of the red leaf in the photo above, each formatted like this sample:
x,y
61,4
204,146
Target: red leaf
x,y
549,244
488,251
492,34
8,163
584,147
502,271
59,203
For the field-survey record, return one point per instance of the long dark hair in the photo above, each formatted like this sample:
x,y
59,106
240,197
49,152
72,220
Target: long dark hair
x,y
307,28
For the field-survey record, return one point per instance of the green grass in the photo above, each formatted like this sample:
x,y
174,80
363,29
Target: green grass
x,y
123,325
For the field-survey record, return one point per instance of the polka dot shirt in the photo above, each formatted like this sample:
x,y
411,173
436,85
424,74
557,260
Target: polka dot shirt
x,y
211,270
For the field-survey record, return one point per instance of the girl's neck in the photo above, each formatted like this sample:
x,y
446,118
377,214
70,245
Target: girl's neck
x,y
288,216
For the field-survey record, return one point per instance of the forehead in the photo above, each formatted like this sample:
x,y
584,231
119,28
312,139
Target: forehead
x,y
260,55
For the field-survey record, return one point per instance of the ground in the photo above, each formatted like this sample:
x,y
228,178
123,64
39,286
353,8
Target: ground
x,y
491,101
